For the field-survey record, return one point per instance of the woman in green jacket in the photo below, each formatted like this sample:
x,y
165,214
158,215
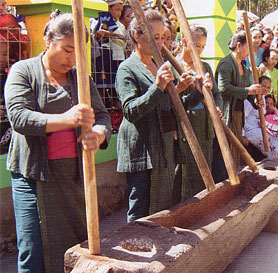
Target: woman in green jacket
x,y
146,135
192,182
234,84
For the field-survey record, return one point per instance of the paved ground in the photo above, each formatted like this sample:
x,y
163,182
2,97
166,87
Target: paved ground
x,y
260,256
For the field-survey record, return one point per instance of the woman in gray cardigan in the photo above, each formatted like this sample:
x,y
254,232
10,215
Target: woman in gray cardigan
x,y
146,135
44,154
234,84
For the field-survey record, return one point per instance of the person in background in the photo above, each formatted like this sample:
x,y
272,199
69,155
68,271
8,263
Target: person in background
x,y
10,31
168,36
125,19
126,16
145,144
44,156
271,107
267,38
5,127
192,182
257,37
4,55
239,25
233,81
267,68
105,60
274,43
252,130
172,17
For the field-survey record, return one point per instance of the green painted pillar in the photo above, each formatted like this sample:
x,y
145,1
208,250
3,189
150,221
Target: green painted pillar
x,y
218,17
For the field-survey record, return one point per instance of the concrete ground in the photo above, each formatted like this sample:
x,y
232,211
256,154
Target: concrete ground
x,y
260,256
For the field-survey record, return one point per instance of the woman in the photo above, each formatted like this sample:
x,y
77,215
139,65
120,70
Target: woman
x,y
257,38
169,43
125,19
126,16
192,181
145,139
267,38
234,83
270,58
44,154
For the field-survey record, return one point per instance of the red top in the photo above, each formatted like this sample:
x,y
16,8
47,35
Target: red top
x,y
62,144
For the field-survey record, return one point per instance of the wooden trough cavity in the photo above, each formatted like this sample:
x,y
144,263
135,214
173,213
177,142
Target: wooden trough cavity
x,y
203,234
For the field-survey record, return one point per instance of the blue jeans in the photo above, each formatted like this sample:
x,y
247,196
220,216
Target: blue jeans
x,y
139,197
29,243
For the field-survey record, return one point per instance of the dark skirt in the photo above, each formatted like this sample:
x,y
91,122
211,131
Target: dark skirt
x,y
62,212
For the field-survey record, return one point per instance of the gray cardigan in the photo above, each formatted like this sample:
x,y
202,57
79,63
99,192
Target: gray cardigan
x,y
232,86
141,141
27,95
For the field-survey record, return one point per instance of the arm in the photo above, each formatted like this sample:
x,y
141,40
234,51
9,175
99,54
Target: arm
x,y
21,103
102,117
136,103
24,110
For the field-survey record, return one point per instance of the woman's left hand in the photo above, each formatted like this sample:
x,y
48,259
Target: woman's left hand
x,y
92,140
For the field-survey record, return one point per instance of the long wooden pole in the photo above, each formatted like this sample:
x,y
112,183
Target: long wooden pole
x,y
230,135
88,156
223,143
176,101
255,79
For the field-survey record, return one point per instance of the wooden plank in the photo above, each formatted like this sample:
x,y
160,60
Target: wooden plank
x,y
89,171
221,223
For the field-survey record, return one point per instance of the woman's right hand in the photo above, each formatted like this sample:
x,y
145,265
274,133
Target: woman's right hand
x,y
255,89
163,76
79,115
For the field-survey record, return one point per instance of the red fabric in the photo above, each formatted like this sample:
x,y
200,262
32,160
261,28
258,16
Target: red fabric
x,y
116,118
62,144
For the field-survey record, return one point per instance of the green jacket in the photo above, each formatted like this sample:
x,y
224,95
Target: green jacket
x,y
232,85
141,143
27,96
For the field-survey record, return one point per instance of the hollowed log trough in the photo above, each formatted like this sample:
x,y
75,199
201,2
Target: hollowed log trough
x,y
203,234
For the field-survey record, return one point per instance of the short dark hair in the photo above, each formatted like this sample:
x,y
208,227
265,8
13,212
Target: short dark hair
x,y
269,96
125,8
261,78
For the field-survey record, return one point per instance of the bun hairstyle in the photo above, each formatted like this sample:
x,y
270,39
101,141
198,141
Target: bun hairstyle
x,y
151,16
238,37
60,26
